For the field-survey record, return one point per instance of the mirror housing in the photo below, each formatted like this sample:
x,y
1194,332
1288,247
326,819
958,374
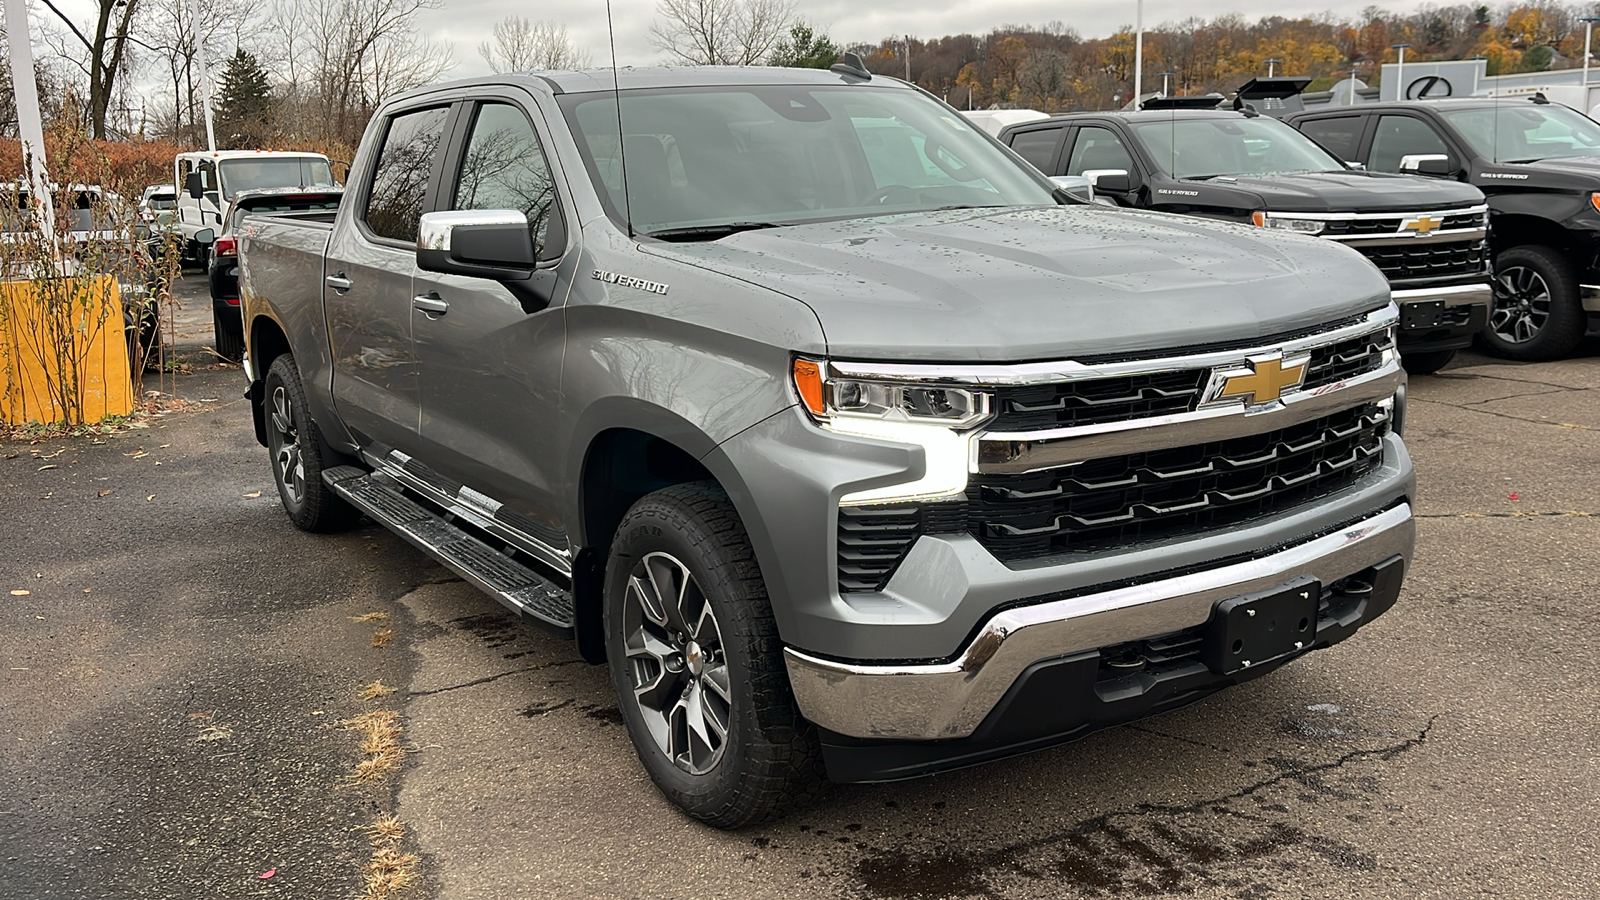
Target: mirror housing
x,y
479,243
141,232
1073,189
205,236
1356,166
193,186
1436,165
1109,181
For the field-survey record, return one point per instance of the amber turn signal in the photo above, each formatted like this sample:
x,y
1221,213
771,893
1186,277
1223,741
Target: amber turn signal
x,y
808,383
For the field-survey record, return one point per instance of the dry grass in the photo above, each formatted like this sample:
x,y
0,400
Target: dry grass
x,y
371,617
391,869
375,690
382,638
381,753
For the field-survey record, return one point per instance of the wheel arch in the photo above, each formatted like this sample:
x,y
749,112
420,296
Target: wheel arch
x,y
1520,230
631,448
265,341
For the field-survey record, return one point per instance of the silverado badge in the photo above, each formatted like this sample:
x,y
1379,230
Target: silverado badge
x,y
1421,225
1262,380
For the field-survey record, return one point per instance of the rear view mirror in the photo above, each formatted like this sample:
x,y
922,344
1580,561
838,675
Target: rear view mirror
x,y
141,232
1109,181
1434,164
205,236
193,186
1357,166
486,243
1073,188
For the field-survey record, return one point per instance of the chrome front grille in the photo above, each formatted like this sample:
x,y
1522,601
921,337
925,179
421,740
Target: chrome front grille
x,y
1078,403
1132,498
1391,224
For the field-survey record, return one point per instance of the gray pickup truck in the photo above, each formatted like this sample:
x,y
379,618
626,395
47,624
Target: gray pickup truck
x,y
853,447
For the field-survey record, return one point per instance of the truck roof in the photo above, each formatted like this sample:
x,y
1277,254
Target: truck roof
x,y
1448,103
1149,115
245,154
631,78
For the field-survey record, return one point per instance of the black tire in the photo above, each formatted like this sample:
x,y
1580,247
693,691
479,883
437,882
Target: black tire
x,y
769,760
1537,313
228,335
1425,362
294,446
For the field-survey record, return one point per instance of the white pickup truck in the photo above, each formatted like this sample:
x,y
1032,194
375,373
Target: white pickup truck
x,y
207,180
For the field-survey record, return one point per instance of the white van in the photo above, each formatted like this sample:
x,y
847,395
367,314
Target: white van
x,y
207,180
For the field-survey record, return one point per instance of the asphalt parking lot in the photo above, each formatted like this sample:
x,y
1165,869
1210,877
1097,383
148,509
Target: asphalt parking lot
x,y
172,686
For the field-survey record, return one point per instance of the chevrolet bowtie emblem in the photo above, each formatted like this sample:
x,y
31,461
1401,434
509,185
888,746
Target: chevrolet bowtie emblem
x,y
1263,381
1422,225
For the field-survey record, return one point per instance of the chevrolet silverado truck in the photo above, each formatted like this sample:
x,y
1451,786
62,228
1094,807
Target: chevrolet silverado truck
x,y
1539,165
1182,155
820,418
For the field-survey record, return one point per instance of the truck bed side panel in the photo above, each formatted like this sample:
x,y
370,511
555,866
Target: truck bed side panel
x,y
280,278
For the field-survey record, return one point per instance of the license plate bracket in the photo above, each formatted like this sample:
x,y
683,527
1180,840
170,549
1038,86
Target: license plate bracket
x,y
1247,631
1421,314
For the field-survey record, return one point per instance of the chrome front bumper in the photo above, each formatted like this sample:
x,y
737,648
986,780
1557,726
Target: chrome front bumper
x,y
1454,295
950,700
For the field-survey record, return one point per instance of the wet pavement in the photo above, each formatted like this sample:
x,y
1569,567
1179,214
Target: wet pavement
x,y
170,689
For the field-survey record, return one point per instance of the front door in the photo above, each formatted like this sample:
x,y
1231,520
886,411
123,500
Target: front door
x,y
490,362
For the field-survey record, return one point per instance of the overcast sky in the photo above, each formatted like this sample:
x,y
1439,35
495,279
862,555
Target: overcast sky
x,y
466,23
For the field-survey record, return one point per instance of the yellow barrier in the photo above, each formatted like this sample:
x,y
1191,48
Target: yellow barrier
x,y
63,356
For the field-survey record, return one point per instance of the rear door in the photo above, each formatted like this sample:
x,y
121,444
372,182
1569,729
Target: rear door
x,y
367,280
490,360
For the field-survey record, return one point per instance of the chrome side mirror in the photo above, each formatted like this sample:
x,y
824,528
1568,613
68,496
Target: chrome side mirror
x,y
1109,180
482,243
1435,164
1074,188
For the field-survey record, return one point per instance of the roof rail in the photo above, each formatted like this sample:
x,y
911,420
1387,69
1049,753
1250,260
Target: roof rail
x,y
1201,101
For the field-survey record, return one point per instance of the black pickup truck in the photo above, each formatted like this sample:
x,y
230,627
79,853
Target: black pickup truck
x,y
1539,165
1427,237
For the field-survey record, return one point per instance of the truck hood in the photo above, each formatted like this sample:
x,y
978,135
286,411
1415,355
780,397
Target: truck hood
x,y
1042,283
1571,173
1353,192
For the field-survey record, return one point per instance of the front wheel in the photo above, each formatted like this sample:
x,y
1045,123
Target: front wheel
x,y
697,664
295,446
1537,313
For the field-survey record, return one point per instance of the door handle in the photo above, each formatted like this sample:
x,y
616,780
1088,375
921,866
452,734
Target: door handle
x,y
339,283
431,304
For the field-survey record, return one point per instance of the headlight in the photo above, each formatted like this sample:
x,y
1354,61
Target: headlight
x,y
1594,200
1298,226
937,418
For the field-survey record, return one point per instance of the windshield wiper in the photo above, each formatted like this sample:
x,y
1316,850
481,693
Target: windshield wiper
x,y
707,232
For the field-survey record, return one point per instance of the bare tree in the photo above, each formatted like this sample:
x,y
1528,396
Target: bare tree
x,y
106,53
520,45
720,32
356,52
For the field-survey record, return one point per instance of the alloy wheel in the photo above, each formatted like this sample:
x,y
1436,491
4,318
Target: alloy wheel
x,y
1521,304
676,663
286,452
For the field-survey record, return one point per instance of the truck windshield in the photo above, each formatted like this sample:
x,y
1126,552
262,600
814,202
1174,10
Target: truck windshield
x,y
1206,148
274,172
703,162
1526,133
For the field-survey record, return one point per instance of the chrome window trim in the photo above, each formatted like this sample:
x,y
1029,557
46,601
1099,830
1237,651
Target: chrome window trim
x,y
1026,374
1021,452
1481,208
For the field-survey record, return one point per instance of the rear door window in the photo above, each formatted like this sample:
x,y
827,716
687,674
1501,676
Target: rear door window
x,y
1040,146
1340,134
400,178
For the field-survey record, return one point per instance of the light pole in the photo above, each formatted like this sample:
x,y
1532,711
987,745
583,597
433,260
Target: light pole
x,y
1588,35
30,125
1138,52
1400,71
1164,77
1355,66
1272,65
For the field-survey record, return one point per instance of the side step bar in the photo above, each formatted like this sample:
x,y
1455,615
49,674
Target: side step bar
x,y
513,584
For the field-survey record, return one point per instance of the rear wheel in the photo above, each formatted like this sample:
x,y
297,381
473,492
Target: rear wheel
x,y
697,664
1425,362
228,335
1537,314
295,446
